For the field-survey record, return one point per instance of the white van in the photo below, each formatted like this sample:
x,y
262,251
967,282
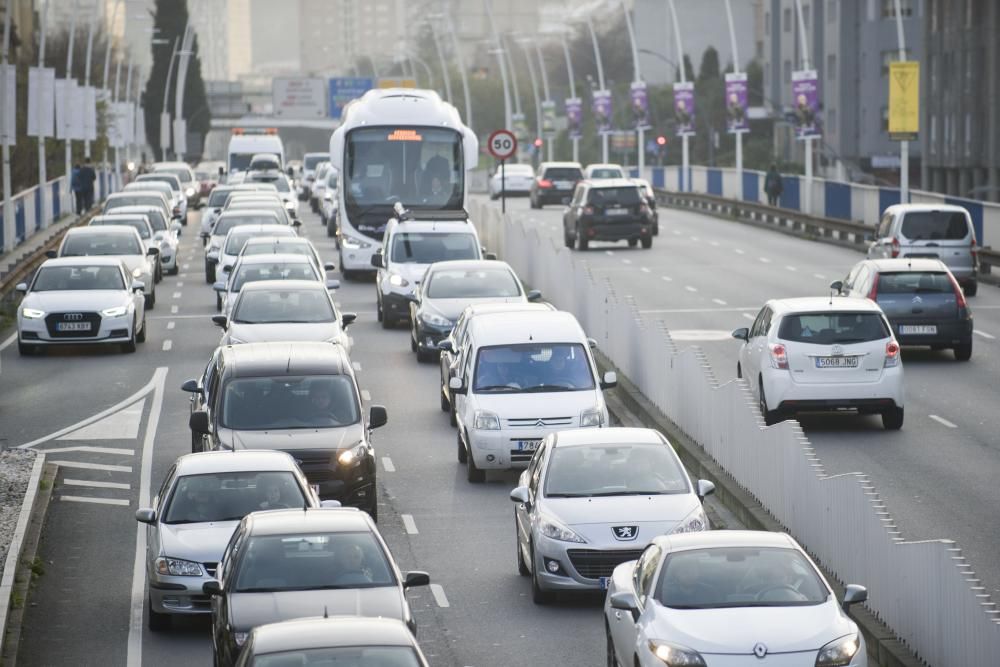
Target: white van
x,y
245,144
524,375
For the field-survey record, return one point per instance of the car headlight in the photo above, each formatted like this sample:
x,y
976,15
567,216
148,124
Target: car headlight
x,y
117,311
435,320
552,529
353,456
328,196
240,638
486,421
32,313
592,417
353,242
178,568
290,205
189,192
137,273
398,280
695,522
839,652
674,655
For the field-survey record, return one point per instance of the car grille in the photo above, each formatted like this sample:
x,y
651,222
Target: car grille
x,y
593,564
316,465
52,319
540,422
210,568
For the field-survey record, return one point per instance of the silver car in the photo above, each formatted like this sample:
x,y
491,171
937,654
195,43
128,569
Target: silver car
x,y
202,499
234,241
106,237
266,268
166,231
592,499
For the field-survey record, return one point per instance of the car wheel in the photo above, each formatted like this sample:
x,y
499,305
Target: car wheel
x,y
413,341
647,242
474,473
140,337
151,300
463,455
218,302
195,443
25,349
157,622
892,419
633,243
452,419
771,417
538,596
158,274
963,352
424,356
331,228
581,241
522,567
611,659
175,271
379,315
972,288
656,228
739,371
129,347
209,273
373,509
348,275
568,240
445,403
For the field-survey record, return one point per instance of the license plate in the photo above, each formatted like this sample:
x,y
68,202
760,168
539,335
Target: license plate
x,y
73,326
836,362
616,211
916,329
604,583
528,445
563,185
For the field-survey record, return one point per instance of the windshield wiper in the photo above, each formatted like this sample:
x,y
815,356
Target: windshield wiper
x,y
607,494
849,340
497,387
547,387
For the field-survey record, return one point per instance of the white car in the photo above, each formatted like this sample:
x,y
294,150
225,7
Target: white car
x,y
217,202
141,223
328,204
729,597
113,240
266,268
164,231
183,171
81,300
177,190
309,163
524,375
592,499
517,179
237,237
284,187
178,210
822,353
320,177
289,245
603,171
229,220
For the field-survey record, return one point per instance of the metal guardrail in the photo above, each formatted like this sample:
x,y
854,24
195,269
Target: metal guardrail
x,y
27,264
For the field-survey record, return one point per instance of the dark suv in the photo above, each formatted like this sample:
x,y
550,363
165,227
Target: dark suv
x,y
607,210
301,398
554,183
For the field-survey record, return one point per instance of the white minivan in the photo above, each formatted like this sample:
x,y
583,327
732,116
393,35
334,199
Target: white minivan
x,y
524,375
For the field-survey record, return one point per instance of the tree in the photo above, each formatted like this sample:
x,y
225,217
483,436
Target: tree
x,y
709,65
170,20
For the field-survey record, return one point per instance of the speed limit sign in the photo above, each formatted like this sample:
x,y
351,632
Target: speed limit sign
x,y
502,144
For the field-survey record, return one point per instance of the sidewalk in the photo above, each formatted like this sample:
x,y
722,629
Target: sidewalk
x,y
9,260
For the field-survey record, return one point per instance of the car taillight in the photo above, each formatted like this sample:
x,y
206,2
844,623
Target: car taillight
x,y
544,183
891,354
588,210
874,293
895,246
779,356
644,209
959,294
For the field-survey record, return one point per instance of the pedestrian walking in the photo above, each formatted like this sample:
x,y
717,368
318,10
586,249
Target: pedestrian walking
x,y
75,187
87,179
773,185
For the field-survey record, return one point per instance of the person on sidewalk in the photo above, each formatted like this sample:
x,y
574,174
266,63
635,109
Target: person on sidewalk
x,y
87,179
773,186
75,186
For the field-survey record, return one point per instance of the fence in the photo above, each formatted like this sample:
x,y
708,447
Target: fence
x,y
924,590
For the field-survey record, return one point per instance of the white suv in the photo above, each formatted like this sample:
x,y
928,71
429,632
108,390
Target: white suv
x,y
524,375
822,353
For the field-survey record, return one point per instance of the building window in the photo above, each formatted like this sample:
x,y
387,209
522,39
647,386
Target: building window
x,y
831,67
787,20
889,8
891,57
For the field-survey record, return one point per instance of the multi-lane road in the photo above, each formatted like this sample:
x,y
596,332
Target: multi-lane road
x,y
116,422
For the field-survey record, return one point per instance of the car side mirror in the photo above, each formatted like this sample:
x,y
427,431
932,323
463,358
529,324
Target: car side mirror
x,y
741,334
153,251
377,416
191,386
177,227
212,588
490,255
329,266
457,386
146,515
534,295
413,298
333,283
446,346
378,261
520,495
227,268
21,287
610,380
837,286
853,595
198,421
705,488
222,171
138,286
416,578
296,223
51,254
347,318
592,343
623,600
220,320
219,286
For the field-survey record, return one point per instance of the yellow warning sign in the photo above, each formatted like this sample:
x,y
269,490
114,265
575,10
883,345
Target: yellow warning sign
x,y
904,100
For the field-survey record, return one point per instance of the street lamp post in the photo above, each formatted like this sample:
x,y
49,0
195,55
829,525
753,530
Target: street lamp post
x,y
109,95
180,142
441,60
500,58
600,82
637,78
534,88
548,97
736,70
8,197
130,119
67,101
904,146
807,208
42,177
86,81
461,68
685,147
164,112
572,94
427,69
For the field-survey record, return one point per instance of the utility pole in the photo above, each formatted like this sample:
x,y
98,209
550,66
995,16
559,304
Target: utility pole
x,y
86,84
507,117
904,146
534,90
548,98
165,121
42,176
8,196
685,146
444,66
572,95
600,82
637,79
736,70
461,67
68,101
807,207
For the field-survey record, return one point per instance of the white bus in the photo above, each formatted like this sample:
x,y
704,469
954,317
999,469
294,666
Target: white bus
x,y
396,145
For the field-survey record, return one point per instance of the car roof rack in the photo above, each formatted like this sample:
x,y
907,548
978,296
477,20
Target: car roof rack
x,y
404,214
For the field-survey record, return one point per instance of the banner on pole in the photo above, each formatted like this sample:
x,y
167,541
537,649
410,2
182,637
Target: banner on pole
x,y
140,126
736,103
640,105
41,101
8,106
64,95
76,112
90,113
684,110
548,119
520,127
130,123
574,117
180,138
601,106
904,100
805,97
165,131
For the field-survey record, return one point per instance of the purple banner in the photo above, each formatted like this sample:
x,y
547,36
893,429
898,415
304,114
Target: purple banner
x,y
640,105
736,103
684,108
601,106
574,117
805,103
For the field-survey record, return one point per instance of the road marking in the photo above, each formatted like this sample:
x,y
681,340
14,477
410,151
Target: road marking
x,y
790,268
387,464
96,485
177,295
667,278
82,465
185,266
749,316
984,334
438,592
739,251
676,232
609,253
174,309
98,501
764,260
167,344
356,365
694,238
697,310
689,335
719,301
409,524
7,343
644,269
819,275
91,450
120,425
714,244
171,325
942,421
690,288
365,395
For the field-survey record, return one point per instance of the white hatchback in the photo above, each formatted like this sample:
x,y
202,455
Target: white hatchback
x,y
822,353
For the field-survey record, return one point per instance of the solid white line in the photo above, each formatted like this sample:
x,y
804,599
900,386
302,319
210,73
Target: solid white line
x,y
174,309
719,301
819,275
644,269
92,450
96,485
749,316
98,501
365,395
92,466
942,421
739,251
180,283
690,288
764,259
7,343
439,596
409,524
177,295
171,325
984,334
136,627
387,464
167,344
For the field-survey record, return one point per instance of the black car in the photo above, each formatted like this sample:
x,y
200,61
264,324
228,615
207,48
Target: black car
x,y
301,398
554,183
647,191
921,298
608,210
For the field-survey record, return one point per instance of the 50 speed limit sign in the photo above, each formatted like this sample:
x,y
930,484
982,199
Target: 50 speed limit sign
x,y
502,144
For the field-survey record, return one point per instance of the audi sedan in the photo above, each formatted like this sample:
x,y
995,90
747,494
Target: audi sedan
x,y
729,597
81,300
266,268
591,499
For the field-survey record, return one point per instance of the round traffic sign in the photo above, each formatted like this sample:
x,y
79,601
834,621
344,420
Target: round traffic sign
x,y
502,144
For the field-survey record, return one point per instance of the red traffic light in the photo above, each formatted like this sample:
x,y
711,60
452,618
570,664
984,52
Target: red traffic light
x,y
661,140
538,143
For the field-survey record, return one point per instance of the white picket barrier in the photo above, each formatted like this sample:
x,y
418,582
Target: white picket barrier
x,y
924,591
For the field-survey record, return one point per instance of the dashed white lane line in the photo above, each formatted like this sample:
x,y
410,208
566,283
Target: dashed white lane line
x,y
790,268
690,288
719,301
96,501
438,592
171,325
96,485
714,244
365,395
7,343
644,269
749,316
626,261
694,238
409,524
943,421
984,334
609,253
819,275
765,260
174,310
387,464
667,278
357,366
177,295
167,344
180,283
676,232
739,251
93,466
185,266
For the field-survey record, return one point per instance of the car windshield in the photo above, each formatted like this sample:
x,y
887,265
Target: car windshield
x,y
117,201
310,161
332,180
606,173
100,244
284,305
832,328
156,219
230,496
614,470
345,656
935,226
248,273
279,182
550,367
915,282
183,175
430,248
472,283
272,248
227,222
172,182
138,224
58,278
240,161
275,563
626,196
237,238
261,403
739,577
218,197
563,174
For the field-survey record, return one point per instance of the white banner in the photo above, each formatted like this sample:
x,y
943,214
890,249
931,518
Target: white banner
x,y
64,93
90,113
164,131
118,124
180,138
140,126
76,113
41,101
8,107
130,122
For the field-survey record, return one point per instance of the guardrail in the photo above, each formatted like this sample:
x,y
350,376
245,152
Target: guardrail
x,y
925,591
